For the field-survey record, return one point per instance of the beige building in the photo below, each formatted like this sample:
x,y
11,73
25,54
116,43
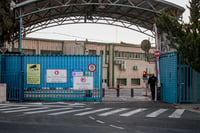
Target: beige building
x,y
122,63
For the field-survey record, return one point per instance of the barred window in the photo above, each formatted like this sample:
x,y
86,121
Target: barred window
x,y
122,82
135,81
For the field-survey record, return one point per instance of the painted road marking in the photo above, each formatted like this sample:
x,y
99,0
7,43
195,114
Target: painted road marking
x,y
133,112
113,112
12,108
43,111
24,110
157,113
117,127
4,106
69,111
92,112
177,113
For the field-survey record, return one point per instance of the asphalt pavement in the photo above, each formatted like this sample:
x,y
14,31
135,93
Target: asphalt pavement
x,y
96,117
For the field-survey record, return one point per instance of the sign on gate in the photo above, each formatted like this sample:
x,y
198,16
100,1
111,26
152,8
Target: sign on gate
x,y
33,73
56,76
83,83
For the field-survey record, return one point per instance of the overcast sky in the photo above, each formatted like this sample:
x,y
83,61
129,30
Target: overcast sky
x,y
99,32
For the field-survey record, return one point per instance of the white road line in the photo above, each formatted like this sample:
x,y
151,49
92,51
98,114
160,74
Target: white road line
x,y
91,117
92,112
177,113
35,103
113,112
100,121
133,112
156,113
25,110
4,106
117,127
69,111
43,111
12,108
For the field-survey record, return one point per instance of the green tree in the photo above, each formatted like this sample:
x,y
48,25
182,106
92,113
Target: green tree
x,y
7,21
185,38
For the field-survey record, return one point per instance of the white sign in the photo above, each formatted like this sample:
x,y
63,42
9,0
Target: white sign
x,y
56,76
77,74
83,83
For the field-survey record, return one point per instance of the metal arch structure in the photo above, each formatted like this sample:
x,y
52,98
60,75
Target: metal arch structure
x,y
138,15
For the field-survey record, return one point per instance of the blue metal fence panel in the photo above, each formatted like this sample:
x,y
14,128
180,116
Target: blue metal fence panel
x,y
188,83
168,77
15,72
11,75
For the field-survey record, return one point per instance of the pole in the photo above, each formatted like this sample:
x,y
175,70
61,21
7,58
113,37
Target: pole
x,y
20,35
157,63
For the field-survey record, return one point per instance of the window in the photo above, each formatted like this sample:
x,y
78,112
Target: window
x,y
120,54
29,51
101,52
51,52
122,82
92,52
107,52
135,55
135,81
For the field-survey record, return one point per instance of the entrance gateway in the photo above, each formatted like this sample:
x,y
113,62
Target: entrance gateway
x,y
34,15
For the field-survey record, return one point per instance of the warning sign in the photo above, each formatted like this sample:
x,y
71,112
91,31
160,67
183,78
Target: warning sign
x,y
33,73
56,76
84,82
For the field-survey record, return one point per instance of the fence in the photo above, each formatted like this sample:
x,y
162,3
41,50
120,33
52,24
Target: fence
x,y
180,83
51,77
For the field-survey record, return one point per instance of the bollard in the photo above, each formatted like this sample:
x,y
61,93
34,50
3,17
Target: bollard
x,y
132,92
117,92
117,89
103,92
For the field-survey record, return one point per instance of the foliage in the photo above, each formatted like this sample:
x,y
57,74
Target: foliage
x,y
7,22
185,38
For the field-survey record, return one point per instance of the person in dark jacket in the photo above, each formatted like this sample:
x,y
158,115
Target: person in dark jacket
x,y
152,81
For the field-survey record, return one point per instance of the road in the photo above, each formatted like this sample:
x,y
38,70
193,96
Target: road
x,y
97,117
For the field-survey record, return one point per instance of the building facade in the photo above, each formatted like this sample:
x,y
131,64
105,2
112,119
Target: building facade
x,y
122,63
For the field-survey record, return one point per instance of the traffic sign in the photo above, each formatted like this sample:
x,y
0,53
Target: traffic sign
x,y
157,53
92,67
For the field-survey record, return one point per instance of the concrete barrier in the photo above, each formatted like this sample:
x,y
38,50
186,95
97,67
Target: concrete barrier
x,y
2,93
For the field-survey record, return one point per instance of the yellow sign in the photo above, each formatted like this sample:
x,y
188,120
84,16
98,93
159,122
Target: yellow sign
x,y
33,73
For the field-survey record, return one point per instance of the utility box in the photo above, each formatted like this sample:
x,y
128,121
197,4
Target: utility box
x,y
2,93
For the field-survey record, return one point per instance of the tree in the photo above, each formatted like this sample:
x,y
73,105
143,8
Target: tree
x,y
7,21
185,38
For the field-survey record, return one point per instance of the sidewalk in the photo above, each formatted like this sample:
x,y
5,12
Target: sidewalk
x,y
193,107
125,95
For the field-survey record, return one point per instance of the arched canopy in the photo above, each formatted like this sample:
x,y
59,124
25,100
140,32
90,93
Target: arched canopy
x,y
137,15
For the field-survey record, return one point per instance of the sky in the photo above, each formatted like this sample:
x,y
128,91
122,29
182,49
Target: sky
x,y
100,32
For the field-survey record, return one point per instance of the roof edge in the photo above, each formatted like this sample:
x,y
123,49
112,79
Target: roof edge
x,y
171,4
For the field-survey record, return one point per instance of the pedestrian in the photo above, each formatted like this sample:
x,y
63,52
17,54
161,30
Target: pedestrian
x,y
152,81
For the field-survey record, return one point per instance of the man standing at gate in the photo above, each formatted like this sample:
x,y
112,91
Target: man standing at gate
x,y
152,81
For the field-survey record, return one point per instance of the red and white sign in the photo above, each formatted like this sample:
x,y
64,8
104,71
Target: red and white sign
x,y
56,76
83,83
157,53
77,74
92,67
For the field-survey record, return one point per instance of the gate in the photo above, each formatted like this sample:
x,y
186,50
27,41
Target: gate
x,y
52,77
180,83
188,84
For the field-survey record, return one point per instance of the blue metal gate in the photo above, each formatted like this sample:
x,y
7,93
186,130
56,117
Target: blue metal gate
x,y
52,77
180,83
188,84
168,77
